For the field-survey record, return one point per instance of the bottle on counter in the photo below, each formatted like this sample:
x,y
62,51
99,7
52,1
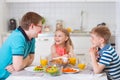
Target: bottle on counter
x,y
59,24
46,28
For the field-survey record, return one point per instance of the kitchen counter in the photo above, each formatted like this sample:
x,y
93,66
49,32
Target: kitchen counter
x,y
72,34
80,34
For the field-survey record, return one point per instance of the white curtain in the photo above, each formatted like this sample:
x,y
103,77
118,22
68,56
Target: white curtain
x,y
118,27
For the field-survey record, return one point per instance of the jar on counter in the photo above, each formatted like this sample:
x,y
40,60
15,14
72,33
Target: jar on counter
x,y
46,28
59,24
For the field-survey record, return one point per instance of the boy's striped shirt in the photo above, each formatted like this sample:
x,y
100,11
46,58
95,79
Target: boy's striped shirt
x,y
111,60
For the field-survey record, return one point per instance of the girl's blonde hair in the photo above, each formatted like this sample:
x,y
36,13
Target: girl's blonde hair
x,y
68,42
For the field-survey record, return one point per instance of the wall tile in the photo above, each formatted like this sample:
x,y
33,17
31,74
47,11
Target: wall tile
x,y
70,13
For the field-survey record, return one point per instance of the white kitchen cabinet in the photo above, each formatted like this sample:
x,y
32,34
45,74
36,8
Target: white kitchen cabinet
x,y
42,48
81,44
43,45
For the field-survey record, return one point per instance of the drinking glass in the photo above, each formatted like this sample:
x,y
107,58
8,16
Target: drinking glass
x,y
43,61
82,63
72,60
82,66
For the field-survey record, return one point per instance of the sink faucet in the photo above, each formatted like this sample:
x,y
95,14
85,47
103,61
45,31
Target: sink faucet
x,y
81,26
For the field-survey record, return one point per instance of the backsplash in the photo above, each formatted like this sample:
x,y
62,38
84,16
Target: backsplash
x,y
70,12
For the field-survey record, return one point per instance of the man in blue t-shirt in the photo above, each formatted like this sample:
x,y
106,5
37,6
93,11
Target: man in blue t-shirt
x,y
17,52
106,59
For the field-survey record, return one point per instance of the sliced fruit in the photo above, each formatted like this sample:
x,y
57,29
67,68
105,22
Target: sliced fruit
x,y
38,68
69,70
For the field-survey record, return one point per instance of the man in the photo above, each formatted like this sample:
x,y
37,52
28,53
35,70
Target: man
x,y
17,52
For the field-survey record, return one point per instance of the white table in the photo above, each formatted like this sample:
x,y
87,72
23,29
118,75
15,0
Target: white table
x,y
82,75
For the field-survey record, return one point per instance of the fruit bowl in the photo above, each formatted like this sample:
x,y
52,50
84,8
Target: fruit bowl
x,y
55,73
53,70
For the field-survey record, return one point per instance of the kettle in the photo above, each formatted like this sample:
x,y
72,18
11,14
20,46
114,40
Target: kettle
x,y
12,24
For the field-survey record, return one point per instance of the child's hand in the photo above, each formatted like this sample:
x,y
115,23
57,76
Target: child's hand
x,y
10,68
93,51
66,55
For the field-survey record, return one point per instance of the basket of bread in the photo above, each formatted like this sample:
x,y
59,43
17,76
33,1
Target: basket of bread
x,y
59,61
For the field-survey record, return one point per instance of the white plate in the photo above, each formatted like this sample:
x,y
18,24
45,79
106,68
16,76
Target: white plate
x,y
31,69
77,70
99,75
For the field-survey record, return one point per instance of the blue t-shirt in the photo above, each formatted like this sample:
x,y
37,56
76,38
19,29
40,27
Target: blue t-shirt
x,y
17,44
111,60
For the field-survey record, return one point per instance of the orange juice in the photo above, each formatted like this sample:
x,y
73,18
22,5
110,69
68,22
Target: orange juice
x,y
43,62
72,60
81,66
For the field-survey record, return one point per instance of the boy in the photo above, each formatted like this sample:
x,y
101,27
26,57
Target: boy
x,y
17,52
108,60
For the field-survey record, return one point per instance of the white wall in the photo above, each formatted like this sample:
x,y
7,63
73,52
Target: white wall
x,y
118,27
3,17
94,13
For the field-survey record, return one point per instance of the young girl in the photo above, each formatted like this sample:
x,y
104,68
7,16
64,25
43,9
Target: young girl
x,y
63,45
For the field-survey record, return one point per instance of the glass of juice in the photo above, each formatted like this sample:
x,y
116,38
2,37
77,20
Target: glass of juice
x,y
43,61
72,60
82,63
82,66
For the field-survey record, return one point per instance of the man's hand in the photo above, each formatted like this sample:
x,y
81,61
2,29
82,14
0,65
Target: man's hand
x,y
28,60
10,68
20,63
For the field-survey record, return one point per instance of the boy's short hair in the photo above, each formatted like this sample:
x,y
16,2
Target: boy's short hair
x,y
102,31
29,18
